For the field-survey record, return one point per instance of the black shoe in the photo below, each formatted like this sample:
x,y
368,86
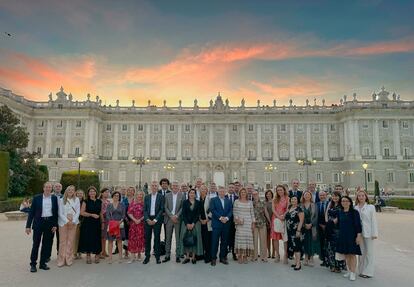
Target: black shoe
x,y
206,261
33,269
186,261
166,259
213,262
177,260
158,261
293,265
194,261
224,261
234,257
47,260
146,260
44,267
298,268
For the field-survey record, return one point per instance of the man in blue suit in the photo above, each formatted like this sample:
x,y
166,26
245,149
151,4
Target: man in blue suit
x,y
43,219
221,211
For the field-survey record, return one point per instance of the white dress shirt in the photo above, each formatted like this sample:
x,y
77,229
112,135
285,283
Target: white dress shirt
x,y
174,198
47,206
72,207
153,200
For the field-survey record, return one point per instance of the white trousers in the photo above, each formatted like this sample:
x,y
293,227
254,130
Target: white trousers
x,y
366,260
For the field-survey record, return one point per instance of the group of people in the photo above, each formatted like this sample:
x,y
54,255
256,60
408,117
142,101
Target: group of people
x,y
208,222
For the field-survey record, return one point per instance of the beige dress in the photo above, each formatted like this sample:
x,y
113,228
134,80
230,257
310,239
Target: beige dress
x,y
244,235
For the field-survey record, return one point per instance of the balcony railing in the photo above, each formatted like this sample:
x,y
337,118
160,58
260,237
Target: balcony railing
x,y
390,157
267,158
102,157
338,158
122,158
251,158
186,157
318,158
155,158
72,155
55,155
408,157
171,158
369,157
283,158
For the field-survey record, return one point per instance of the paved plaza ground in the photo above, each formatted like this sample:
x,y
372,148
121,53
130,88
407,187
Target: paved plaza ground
x,y
394,265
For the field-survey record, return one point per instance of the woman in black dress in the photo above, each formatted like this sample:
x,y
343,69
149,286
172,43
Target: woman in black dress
x,y
350,235
332,232
90,233
191,223
294,221
205,233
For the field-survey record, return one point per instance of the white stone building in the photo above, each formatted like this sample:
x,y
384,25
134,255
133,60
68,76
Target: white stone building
x,y
225,143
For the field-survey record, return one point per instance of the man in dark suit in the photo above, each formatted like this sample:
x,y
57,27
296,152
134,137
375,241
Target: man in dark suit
x,y
315,193
295,190
232,232
153,217
322,205
221,210
164,184
43,219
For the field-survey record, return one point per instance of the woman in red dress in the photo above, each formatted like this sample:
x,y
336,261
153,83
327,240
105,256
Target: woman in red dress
x,y
136,242
279,208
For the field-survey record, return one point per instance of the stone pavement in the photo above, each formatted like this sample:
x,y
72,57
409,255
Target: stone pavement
x,y
394,266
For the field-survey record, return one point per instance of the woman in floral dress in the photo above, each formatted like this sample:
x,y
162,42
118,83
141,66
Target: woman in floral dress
x,y
136,242
279,208
294,223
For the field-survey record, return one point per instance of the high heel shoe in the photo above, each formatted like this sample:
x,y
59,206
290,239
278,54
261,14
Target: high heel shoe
x,y
298,268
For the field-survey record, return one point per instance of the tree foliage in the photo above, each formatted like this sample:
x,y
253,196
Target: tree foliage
x,y
12,136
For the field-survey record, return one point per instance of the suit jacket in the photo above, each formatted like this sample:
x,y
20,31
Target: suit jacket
x,y
159,207
298,194
321,212
217,211
168,205
368,220
317,197
235,197
160,192
35,214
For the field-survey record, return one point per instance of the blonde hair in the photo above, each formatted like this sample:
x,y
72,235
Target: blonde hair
x,y
65,195
366,196
138,193
303,197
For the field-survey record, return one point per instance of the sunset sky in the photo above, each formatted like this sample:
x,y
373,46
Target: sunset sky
x,y
193,49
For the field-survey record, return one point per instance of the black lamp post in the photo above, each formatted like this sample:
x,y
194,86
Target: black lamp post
x,y
306,163
140,161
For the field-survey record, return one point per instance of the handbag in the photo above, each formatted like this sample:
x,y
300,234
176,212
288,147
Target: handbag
x,y
189,239
114,228
278,225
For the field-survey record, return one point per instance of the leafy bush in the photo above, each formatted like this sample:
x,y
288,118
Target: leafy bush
x,y
87,179
402,203
35,185
11,204
4,175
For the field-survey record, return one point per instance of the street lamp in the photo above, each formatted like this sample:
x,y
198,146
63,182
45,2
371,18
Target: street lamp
x,y
365,166
270,168
79,166
347,173
140,161
170,167
306,163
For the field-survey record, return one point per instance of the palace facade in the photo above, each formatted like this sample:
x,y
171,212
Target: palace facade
x,y
223,143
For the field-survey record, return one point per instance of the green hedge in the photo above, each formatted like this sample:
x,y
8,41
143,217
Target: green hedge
x,y
12,204
401,203
4,175
35,185
87,179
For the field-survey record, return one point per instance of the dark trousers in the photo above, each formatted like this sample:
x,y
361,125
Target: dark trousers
x,y
206,237
322,242
231,238
219,234
149,229
42,234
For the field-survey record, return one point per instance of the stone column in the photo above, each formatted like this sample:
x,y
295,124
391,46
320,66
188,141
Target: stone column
x,y
91,141
242,141
49,131
325,142
341,140
308,142
227,142
195,142
163,141
211,141
115,152
292,142
346,141
275,144
179,140
147,140
397,140
357,149
67,138
86,138
376,140
131,141
259,142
